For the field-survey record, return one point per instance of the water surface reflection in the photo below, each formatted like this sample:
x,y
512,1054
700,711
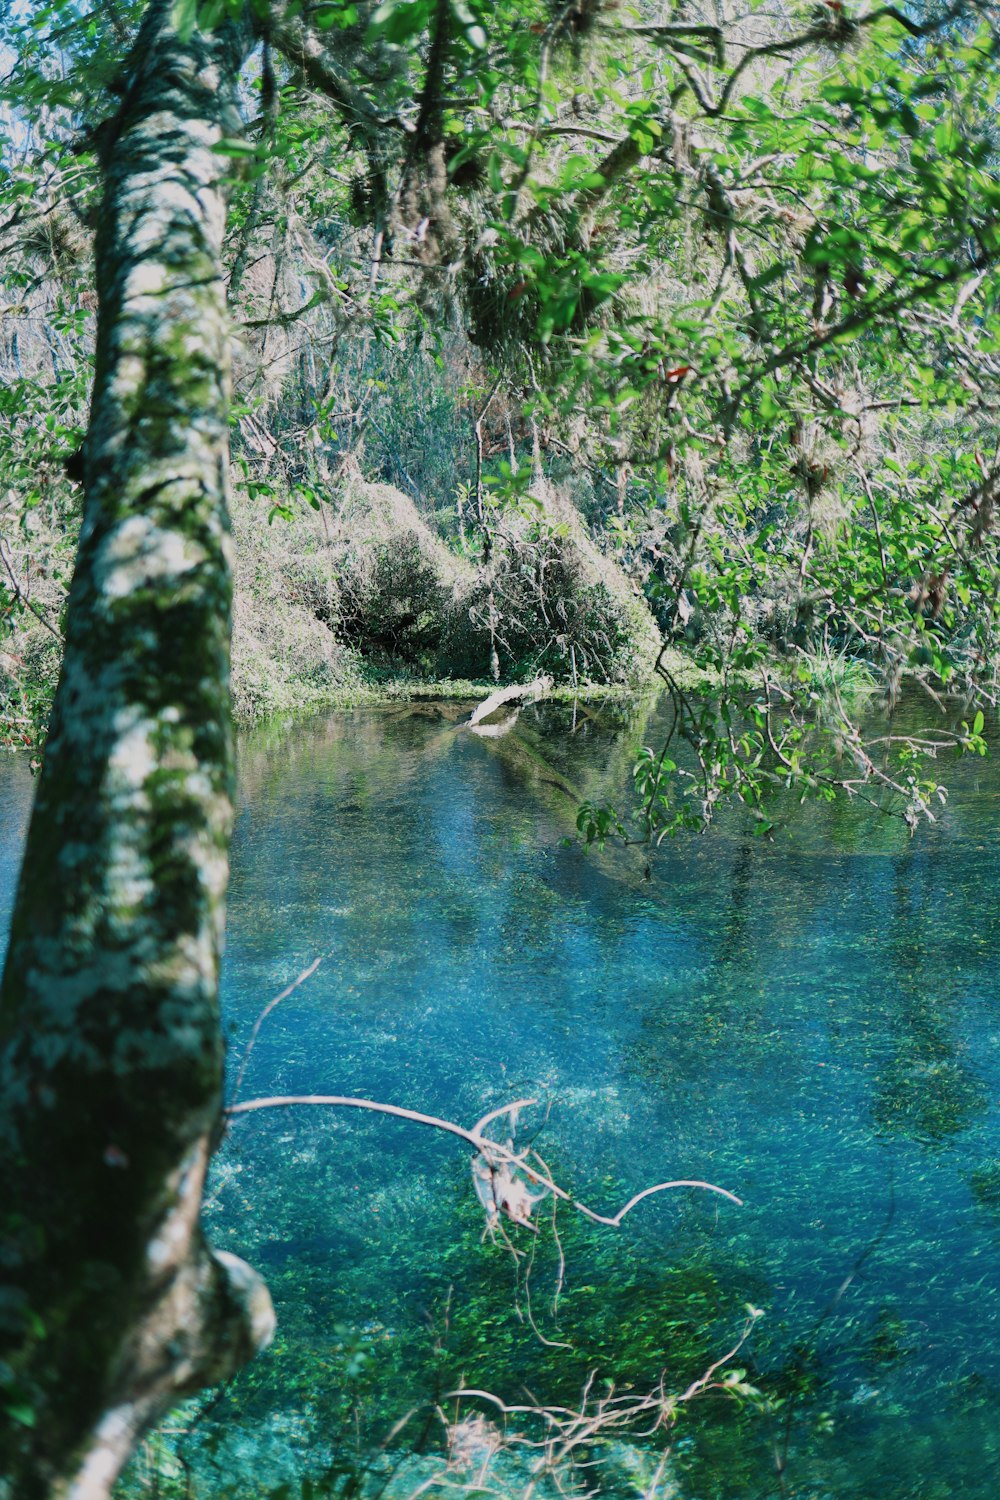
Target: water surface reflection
x,y
813,1023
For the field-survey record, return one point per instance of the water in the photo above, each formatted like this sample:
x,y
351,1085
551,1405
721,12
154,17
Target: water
x,y
813,1024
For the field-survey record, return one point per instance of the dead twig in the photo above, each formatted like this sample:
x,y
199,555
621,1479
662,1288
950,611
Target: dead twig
x,y
494,1156
288,990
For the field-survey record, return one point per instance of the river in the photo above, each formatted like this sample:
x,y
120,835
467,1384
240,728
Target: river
x,y
812,1023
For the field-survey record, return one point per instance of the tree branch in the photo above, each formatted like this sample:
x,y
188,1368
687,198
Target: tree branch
x,y
492,1152
299,47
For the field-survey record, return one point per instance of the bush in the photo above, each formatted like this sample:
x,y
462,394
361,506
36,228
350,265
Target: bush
x,y
393,600
286,653
539,608
396,578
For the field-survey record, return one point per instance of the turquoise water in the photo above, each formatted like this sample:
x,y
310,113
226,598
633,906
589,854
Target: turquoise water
x,y
813,1024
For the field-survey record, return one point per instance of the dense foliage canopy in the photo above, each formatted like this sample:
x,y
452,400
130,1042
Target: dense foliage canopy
x,y
677,322
726,279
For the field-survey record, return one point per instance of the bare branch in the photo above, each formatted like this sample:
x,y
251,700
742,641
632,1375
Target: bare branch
x,y
493,1153
288,990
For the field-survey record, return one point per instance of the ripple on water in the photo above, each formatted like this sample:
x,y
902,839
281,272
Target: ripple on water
x,y
812,1024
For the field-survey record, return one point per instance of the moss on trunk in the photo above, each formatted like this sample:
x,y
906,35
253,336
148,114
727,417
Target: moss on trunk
x,y
110,1048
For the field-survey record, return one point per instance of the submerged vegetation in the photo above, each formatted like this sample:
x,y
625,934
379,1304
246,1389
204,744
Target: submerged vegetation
x,y
378,348
747,1013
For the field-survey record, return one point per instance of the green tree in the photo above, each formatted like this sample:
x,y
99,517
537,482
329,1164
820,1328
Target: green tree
x,y
112,1057
676,263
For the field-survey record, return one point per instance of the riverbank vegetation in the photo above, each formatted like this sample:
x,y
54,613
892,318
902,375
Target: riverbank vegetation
x,y
701,351
504,340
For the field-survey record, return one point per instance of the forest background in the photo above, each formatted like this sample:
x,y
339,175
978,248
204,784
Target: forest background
x,y
663,330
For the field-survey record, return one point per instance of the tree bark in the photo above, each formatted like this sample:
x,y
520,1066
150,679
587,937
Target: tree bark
x,y
112,1305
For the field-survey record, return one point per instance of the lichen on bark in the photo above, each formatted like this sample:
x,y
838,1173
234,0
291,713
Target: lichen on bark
x,y
111,1303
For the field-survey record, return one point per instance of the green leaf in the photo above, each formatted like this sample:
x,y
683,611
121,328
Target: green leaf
x,y
398,21
494,172
210,13
231,146
474,32
184,17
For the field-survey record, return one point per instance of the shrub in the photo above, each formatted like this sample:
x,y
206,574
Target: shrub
x,y
393,599
539,608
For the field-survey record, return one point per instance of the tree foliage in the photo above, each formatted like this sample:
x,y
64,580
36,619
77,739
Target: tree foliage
x,y
732,271
736,270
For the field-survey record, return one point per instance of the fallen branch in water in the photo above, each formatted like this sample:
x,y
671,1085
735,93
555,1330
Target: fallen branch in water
x,y
518,695
288,990
566,1443
546,1449
509,1194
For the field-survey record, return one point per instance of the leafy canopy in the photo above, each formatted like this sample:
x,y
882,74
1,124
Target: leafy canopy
x,y
737,264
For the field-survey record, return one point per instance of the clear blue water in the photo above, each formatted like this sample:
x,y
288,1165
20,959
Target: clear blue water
x,y
814,1024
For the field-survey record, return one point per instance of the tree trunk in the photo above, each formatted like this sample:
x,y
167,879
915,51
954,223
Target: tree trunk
x,y
112,1304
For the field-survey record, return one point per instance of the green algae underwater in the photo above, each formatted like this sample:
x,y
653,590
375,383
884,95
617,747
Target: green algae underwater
x,y
813,1024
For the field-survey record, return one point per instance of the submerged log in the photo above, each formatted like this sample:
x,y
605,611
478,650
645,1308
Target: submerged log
x,y
516,696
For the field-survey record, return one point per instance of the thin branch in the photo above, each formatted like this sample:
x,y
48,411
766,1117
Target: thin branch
x,y
492,1151
300,48
22,597
288,990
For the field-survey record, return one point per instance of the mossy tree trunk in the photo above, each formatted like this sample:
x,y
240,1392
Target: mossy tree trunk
x,y
112,1304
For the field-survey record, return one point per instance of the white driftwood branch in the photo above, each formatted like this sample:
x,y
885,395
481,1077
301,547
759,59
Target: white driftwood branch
x,y
568,1430
520,694
493,1154
288,990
